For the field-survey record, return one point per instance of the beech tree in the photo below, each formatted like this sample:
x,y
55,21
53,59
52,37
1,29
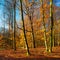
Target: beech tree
x,y
43,18
22,17
51,16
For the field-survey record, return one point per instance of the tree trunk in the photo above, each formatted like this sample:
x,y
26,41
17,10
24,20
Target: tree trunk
x,y
51,16
31,18
31,22
24,28
45,37
14,41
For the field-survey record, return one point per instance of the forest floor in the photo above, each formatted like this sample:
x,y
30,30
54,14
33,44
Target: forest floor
x,y
36,54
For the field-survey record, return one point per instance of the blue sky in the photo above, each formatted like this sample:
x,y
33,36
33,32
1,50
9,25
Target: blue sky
x,y
56,2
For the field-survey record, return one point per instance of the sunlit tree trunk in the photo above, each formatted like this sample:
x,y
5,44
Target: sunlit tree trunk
x,y
24,28
51,16
53,39
45,37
